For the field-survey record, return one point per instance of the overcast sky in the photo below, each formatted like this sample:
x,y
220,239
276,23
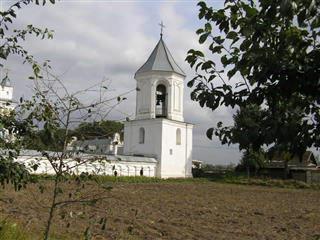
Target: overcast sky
x,y
98,39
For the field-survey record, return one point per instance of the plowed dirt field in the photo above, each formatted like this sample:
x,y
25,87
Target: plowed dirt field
x,y
170,211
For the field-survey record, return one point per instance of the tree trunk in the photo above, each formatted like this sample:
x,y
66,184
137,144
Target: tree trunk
x,y
248,171
52,209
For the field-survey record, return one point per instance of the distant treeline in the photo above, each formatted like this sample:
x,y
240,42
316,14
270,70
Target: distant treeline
x,y
54,141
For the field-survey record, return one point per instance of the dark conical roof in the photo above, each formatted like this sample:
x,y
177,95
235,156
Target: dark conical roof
x,y
5,82
161,60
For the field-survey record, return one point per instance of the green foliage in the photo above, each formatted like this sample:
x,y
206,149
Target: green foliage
x,y
253,159
225,176
102,129
12,231
217,168
43,140
55,111
52,109
105,181
248,128
11,38
12,133
13,127
269,56
13,172
293,184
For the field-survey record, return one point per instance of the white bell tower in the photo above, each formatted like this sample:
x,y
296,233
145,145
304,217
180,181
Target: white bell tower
x,y
6,104
159,129
160,86
6,91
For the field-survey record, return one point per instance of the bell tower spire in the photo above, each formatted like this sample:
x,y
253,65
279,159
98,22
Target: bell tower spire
x,y
160,81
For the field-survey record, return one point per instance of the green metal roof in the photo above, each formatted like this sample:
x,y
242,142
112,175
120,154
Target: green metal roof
x,y
160,60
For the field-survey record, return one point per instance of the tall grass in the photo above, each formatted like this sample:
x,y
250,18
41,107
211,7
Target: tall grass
x,y
227,177
142,179
9,230
12,231
122,179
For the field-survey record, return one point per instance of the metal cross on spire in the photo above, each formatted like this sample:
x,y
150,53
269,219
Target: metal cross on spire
x,y
162,27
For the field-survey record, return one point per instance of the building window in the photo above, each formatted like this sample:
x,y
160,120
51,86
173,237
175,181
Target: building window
x,y
178,136
141,135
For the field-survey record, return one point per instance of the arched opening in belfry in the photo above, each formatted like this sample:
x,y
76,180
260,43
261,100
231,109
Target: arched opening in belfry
x,y
161,101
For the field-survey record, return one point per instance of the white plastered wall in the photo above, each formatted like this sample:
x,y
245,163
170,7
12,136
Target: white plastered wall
x,y
176,160
97,168
152,142
160,142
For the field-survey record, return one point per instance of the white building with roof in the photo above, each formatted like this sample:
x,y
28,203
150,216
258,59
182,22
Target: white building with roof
x,y
159,130
110,146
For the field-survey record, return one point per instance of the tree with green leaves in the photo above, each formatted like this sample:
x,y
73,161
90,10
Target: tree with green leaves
x,y
12,122
264,53
247,129
252,160
55,111
247,132
100,129
11,141
11,38
39,140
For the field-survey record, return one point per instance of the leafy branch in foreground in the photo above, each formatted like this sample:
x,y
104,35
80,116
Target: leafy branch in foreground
x,y
266,54
11,38
13,128
53,109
